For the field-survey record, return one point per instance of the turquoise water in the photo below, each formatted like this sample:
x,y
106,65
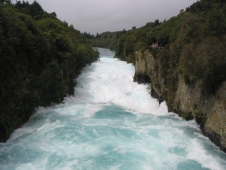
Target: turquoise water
x,y
110,123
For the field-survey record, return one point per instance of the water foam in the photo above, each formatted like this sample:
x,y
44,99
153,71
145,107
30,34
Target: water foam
x,y
110,123
112,82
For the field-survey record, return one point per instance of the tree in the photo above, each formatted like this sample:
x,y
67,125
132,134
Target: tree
x,y
41,56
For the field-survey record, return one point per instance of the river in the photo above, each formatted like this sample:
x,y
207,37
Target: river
x,y
112,123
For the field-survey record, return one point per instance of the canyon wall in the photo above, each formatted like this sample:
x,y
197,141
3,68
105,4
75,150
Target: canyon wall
x,y
187,100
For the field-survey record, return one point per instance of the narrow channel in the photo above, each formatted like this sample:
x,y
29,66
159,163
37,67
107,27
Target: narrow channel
x,y
110,123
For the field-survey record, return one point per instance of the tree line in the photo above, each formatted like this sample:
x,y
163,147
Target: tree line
x,y
40,57
193,46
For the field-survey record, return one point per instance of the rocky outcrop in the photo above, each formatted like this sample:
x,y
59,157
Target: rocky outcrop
x,y
188,101
141,75
209,111
147,71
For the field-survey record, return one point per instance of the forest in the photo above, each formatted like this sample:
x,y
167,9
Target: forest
x,y
192,46
40,57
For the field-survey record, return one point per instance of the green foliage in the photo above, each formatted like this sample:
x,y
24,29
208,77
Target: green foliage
x,y
187,116
52,82
129,42
40,57
205,61
193,46
106,39
34,10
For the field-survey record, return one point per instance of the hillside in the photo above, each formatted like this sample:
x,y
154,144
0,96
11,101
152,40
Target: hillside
x,y
40,57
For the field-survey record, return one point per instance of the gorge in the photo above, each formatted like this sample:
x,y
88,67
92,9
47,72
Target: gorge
x,y
110,123
63,107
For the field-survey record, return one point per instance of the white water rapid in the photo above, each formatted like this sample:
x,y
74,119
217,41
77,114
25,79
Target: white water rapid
x,y
112,123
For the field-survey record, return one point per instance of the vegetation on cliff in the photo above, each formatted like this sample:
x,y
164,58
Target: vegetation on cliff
x,y
40,57
193,45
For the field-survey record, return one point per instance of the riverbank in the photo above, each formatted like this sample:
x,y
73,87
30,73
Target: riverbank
x,y
111,122
187,100
40,58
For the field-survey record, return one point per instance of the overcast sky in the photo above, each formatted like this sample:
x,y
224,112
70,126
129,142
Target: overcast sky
x,y
97,16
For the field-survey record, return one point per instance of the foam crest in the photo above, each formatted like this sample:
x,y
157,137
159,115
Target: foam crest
x,y
111,81
204,158
102,127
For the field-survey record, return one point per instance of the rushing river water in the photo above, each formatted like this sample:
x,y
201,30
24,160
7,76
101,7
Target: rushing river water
x,y
111,123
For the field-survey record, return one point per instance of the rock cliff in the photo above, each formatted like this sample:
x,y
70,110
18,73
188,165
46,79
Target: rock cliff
x,y
187,100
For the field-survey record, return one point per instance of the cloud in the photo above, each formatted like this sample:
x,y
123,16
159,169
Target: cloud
x,y
112,15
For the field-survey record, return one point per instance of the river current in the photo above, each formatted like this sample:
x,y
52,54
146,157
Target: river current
x,y
112,123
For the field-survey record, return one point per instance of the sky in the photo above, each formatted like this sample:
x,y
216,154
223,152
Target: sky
x,y
97,16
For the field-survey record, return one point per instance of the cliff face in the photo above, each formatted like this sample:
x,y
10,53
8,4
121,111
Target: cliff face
x,y
187,100
144,67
